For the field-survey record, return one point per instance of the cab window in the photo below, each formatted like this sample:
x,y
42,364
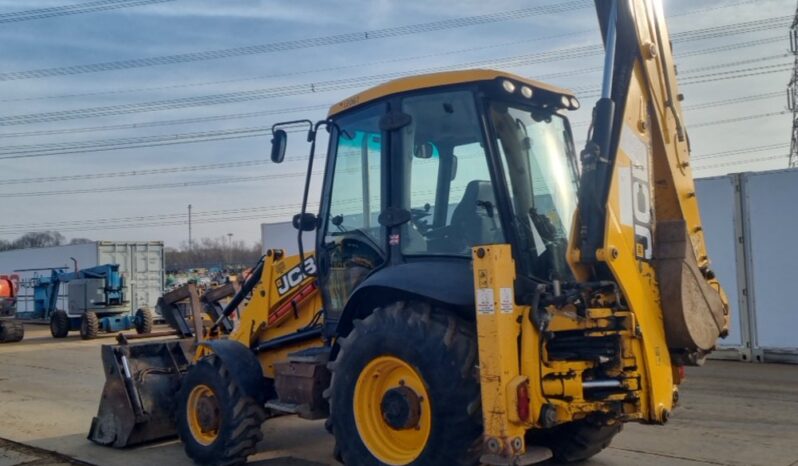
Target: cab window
x,y
447,183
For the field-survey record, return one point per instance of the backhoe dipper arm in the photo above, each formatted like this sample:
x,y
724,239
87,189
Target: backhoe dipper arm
x,y
637,193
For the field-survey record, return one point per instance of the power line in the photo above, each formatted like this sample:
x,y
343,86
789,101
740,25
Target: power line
x,y
284,175
732,101
52,149
145,172
181,121
181,184
774,22
396,31
711,77
336,68
180,218
157,123
284,215
79,8
741,162
294,73
258,162
296,89
103,145
738,119
745,150
140,218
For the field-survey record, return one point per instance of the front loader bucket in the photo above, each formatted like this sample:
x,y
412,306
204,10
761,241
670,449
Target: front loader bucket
x,y
138,400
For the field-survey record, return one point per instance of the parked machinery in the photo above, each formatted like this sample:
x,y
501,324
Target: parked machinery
x,y
473,297
95,302
11,330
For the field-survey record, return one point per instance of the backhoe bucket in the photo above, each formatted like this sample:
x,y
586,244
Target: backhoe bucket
x,y
138,400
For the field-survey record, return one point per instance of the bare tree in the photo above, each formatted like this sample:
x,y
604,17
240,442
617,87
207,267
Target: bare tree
x,y
80,241
38,239
213,252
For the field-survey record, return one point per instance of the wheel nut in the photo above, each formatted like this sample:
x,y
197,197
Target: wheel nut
x,y
493,445
517,444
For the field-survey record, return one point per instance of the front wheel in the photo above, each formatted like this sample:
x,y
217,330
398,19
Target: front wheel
x,y
404,390
218,423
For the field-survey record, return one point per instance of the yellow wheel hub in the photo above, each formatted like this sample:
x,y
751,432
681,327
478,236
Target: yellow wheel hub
x,y
392,410
203,414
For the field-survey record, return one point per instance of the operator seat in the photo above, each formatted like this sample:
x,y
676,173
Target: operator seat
x,y
475,220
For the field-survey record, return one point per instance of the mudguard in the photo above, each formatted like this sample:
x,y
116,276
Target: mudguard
x,y
243,365
448,283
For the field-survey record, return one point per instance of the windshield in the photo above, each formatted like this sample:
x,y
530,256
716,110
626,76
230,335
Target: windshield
x,y
536,151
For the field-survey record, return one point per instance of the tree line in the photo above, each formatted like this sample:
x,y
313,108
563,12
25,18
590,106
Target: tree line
x,y
206,253
212,252
40,239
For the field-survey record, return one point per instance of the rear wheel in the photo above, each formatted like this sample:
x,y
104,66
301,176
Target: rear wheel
x,y
218,423
575,441
144,320
404,390
11,331
59,324
89,326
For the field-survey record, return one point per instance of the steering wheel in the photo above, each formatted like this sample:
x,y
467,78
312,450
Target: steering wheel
x,y
418,218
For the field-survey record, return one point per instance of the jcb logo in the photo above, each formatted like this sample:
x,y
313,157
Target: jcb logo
x,y
291,279
638,150
641,202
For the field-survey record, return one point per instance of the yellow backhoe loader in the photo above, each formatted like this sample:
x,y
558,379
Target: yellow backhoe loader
x,y
474,296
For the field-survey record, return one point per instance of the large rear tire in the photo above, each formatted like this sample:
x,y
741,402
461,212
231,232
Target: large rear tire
x,y
575,441
11,331
405,390
89,326
218,423
59,324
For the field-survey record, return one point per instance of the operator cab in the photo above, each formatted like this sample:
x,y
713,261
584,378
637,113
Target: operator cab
x,y
422,169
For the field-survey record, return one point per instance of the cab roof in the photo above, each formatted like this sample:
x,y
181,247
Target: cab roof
x,y
425,81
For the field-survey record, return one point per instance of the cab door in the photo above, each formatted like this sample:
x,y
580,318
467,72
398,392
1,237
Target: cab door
x,y
351,242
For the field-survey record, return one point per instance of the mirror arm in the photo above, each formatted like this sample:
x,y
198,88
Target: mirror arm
x,y
294,122
312,139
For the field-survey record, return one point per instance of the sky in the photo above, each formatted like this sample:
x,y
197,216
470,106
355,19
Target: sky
x,y
55,171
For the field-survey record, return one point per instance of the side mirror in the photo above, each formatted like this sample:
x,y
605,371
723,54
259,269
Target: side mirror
x,y
453,174
305,222
279,141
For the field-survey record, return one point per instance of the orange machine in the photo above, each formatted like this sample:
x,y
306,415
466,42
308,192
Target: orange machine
x,y
11,330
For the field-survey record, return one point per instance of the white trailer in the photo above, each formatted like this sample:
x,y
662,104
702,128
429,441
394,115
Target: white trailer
x,y
140,262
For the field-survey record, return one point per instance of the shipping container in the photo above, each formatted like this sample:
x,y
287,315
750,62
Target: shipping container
x,y
140,262
283,235
750,220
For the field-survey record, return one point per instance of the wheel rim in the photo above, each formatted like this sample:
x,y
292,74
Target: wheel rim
x,y
202,412
392,410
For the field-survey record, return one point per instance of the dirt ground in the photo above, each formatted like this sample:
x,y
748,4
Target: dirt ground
x,y
731,414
